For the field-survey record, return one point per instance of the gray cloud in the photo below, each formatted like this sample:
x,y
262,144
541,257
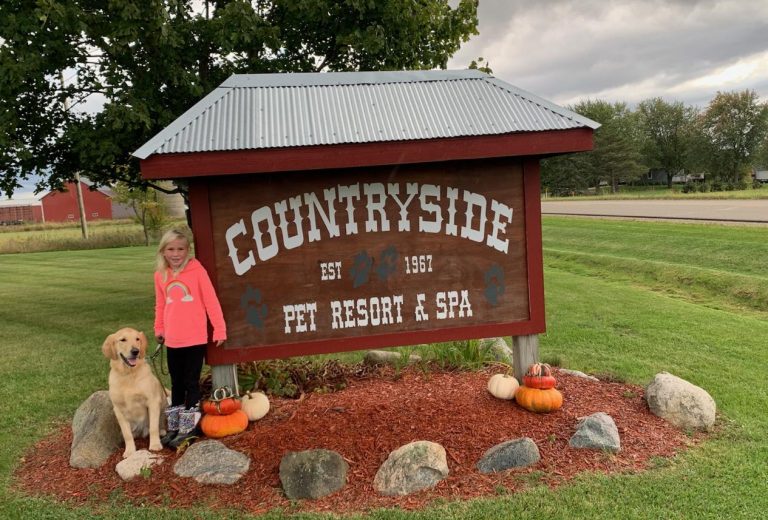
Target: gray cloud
x,y
567,49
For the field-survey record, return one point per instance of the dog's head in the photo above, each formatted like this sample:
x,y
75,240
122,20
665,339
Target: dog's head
x,y
127,345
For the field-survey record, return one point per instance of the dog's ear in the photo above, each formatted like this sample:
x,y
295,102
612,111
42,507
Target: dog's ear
x,y
108,348
142,344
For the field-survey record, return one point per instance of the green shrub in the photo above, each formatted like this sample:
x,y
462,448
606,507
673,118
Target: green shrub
x,y
689,187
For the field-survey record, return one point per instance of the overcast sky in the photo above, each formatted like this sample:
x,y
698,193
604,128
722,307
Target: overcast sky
x,y
624,50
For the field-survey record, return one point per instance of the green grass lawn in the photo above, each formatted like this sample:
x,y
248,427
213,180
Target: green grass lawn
x,y
624,298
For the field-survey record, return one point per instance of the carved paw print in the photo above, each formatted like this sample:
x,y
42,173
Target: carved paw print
x,y
361,269
255,310
387,263
494,284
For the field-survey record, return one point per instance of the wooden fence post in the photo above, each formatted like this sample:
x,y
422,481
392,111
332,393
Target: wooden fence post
x,y
525,351
225,375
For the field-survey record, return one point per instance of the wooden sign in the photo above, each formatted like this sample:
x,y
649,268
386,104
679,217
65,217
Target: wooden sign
x,y
315,262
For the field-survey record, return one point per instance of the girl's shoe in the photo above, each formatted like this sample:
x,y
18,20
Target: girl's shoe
x,y
172,416
188,429
168,437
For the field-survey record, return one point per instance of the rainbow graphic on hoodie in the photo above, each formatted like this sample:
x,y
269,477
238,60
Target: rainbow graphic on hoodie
x,y
185,290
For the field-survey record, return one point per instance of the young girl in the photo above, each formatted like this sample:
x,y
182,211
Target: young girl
x,y
184,296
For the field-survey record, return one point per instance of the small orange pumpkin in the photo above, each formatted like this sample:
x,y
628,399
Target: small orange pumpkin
x,y
222,402
217,426
539,375
538,400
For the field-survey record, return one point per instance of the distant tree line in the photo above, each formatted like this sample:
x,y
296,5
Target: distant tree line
x,y
725,142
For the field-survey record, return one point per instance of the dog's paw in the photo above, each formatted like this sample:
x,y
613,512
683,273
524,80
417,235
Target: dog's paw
x,y
128,453
155,446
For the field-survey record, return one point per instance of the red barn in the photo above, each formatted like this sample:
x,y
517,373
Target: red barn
x,y
61,206
17,211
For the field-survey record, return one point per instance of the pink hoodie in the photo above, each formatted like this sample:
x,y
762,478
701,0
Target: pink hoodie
x,y
181,305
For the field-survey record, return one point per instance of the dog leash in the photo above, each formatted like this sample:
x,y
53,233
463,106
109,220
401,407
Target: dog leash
x,y
159,353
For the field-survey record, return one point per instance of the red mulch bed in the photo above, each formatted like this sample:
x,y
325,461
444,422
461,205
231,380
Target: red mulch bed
x,y
364,423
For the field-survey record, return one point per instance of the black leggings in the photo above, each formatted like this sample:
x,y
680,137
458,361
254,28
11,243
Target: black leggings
x,y
184,366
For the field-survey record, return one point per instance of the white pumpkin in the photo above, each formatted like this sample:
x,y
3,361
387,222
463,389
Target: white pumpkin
x,y
503,386
255,405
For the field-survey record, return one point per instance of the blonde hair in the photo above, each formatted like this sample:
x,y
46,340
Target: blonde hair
x,y
161,265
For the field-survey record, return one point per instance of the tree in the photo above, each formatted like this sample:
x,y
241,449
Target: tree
x,y
150,61
761,157
667,130
616,154
733,127
481,64
566,174
147,206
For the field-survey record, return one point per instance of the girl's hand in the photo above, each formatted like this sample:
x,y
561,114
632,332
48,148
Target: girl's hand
x,y
219,342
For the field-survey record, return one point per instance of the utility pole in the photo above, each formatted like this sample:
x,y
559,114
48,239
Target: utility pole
x,y
78,187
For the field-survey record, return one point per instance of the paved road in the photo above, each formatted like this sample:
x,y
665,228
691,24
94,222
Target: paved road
x,y
713,210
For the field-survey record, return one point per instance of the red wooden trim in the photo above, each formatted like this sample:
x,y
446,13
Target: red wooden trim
x,y
202,229
532,189
224,356
183,165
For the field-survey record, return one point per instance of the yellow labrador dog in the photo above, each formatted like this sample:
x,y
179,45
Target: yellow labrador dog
x,y
137,396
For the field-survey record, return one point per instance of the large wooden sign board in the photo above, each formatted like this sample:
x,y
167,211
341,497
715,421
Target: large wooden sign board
x,y
317,262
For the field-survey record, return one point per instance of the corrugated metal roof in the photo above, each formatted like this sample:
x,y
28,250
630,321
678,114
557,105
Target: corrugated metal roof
x,y
261,111
21,199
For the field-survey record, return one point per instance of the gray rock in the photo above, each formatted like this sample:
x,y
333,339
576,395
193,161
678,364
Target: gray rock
x,y
312,473
516,453
210,462
385,357
681,403
95,432
577,374
498,349
597,432
415,466
130,468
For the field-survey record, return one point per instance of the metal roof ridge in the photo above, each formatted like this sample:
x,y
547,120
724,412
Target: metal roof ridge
x,y
319,79
552,107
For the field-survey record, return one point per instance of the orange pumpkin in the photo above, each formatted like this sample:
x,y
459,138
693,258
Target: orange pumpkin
x,y
217,426
539,375
538,400
224,406
222,402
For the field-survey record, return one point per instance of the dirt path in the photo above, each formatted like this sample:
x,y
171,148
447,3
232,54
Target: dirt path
x,y
747,211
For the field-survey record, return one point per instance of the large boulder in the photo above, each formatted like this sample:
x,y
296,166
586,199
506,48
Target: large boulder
x,y
681,403
210,462
597,432
415,466
312,473
95,432
516,453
